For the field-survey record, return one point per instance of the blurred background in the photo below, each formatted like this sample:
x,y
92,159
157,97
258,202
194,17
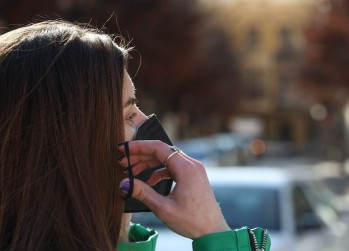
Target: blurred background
x,y
234,82
271,70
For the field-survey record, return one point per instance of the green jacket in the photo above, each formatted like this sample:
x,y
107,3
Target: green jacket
x,y
144,239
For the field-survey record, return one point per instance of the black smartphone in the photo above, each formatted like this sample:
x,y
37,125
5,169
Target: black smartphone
x,y
151,129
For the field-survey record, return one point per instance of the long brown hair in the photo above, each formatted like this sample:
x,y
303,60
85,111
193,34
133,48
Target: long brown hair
x,y
60,121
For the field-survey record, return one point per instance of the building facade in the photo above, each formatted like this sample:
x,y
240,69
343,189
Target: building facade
x,y
268,36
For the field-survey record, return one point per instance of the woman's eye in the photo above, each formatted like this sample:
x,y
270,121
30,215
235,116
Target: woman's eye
x,y
131,117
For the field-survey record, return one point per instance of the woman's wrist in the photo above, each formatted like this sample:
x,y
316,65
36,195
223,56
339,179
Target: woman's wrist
x,y
213,230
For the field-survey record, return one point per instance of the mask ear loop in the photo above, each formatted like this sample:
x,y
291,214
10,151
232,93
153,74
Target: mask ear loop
x,y
129,170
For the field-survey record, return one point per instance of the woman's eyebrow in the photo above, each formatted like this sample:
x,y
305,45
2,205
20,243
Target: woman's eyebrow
x,y
130,101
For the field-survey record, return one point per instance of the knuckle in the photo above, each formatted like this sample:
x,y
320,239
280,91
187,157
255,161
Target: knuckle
x,y
192,167
194,170
200,165
189,171
142,193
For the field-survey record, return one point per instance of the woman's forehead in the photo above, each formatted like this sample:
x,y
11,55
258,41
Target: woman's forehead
x,y
129,89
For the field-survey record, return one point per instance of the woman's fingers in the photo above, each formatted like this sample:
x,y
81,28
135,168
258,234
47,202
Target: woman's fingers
x,y
157,176
153,148
149,153
134,159
190,201
140,165
146,194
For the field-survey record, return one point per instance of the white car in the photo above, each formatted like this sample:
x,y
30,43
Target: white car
x,y
287,202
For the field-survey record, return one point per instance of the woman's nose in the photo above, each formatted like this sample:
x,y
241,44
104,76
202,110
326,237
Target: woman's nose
x,y
141,118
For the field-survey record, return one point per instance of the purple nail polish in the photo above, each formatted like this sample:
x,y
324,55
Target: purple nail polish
x,y
125,186
122,143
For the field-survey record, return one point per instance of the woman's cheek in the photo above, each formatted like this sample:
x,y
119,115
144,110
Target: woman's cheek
x,y
129,132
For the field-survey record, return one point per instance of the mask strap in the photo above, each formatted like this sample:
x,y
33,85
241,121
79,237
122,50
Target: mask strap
x,y
129,170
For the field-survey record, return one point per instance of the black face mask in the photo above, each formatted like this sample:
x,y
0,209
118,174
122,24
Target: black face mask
x,y
151,129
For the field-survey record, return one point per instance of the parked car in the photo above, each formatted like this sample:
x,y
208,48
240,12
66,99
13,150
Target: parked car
x,y
221,149
336,179
287,202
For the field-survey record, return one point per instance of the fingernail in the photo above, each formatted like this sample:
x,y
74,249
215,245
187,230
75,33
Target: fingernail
x,y
125,186
122,144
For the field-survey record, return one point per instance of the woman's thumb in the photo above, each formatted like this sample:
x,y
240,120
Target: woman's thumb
x,y
145,193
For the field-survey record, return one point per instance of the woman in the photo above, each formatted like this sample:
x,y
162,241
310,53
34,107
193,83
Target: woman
x,y
66,102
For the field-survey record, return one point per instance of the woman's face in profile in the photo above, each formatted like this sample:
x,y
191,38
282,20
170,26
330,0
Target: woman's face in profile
x,y
133,116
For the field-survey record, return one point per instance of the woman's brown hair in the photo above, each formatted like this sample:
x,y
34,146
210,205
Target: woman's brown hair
x,y
60,121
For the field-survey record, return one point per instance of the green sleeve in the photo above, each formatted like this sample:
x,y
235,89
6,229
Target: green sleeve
x,y
141,239
232,240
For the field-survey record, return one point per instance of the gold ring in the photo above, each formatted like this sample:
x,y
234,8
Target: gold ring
x,y
176,150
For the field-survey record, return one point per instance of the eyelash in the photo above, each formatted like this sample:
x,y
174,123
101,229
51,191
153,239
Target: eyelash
x,y
131,117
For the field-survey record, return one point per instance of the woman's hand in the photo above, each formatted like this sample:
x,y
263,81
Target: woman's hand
x,y
191,209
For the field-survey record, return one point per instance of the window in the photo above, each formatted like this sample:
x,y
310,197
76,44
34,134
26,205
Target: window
x,y
286,51
305,216
252,39
253,87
